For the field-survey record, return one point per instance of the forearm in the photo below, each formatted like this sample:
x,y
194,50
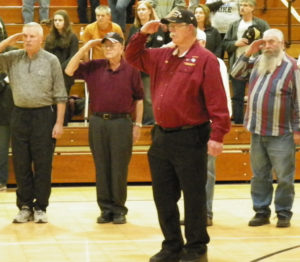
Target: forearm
x,y
139,108
61,107
75,61
4,44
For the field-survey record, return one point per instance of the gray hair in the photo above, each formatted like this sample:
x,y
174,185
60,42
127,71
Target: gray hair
x,y
37,26
275,33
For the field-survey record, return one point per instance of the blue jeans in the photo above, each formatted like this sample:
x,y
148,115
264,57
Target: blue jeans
x,y
28,10
273,153
118,11
238,87
210,184
4,146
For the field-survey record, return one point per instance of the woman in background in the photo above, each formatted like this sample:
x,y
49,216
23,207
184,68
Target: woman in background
x,y
144,13
213,38
63,43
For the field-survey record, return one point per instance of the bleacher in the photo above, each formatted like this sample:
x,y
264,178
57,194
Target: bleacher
x,y
73,161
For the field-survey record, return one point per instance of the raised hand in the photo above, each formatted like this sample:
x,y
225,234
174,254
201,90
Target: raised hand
x,y
255,47
151,27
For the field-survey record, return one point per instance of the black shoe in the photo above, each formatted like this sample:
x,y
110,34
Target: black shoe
x,y
193,256
165,256
119,219
105,217
259,220
283,222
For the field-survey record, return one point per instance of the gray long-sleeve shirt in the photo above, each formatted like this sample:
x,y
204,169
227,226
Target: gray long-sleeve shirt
x,y
35,82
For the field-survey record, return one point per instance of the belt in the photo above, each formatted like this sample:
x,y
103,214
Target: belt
x,y
180,128
107,116
175,129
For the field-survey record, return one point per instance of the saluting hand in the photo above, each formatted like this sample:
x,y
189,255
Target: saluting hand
x,y
151,27
255,47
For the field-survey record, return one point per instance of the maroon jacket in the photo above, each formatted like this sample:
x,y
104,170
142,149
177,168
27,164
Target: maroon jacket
x,y
185,90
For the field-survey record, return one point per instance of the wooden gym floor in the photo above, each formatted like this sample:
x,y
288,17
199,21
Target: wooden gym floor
x,y
72,235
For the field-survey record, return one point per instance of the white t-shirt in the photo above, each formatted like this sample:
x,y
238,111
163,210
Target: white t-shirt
x,y
225,80
243,26
225,15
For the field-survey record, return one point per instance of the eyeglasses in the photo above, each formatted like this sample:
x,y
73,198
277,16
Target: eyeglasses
x,y
175,26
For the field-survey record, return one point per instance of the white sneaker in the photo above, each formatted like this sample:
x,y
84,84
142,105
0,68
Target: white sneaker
x,y
24,215
40,216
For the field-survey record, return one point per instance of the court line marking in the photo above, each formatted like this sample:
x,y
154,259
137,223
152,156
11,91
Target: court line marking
x,y
88,242
275,253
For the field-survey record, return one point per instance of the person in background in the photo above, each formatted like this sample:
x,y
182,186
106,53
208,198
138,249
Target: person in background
x,y
119,12
99,29
28,11
115,93
144,13
82,10
6,105
184,83
164,7
213,38
211,160
63,43
39,96
273,118
235,43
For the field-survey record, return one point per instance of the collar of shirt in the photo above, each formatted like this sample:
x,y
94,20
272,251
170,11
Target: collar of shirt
x,y
121,67
176,51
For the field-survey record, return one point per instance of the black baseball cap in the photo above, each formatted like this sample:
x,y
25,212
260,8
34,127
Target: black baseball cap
x,y
113,37
180,16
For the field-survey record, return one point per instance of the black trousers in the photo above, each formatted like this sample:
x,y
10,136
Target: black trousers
x,y
111,145
82,7
32,148
178,161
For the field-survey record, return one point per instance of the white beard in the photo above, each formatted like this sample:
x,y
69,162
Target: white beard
x,y
269,62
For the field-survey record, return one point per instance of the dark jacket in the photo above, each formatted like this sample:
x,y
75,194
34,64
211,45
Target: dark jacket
x,y
213,41
231,37
155,40
64,55
6,101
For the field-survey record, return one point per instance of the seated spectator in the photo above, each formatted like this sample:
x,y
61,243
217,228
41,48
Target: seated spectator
x,y
99,29
119,12
28,11
82,10
213,38
165,7
144,13
63,43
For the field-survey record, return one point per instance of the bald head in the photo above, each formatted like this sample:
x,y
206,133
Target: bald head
x,y
274,33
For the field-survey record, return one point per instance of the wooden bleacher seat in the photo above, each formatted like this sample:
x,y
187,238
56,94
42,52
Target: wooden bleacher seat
x,y
73,162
